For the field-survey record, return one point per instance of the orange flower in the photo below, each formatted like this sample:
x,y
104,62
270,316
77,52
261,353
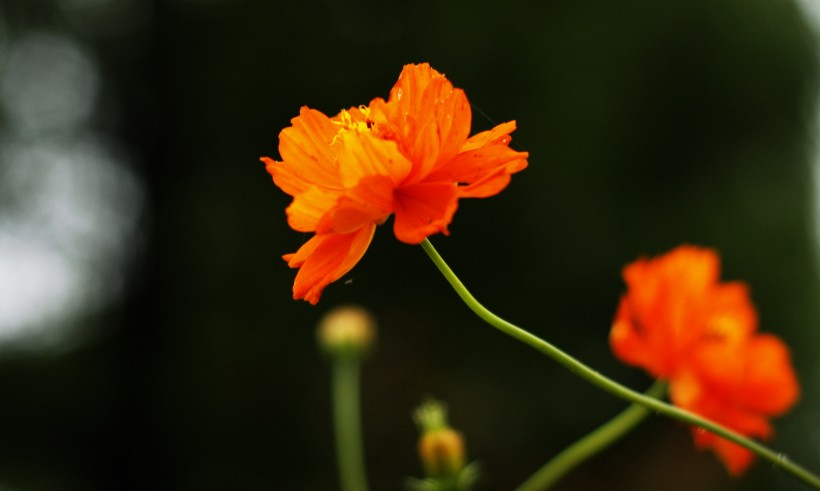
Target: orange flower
x,y
680,324
410,156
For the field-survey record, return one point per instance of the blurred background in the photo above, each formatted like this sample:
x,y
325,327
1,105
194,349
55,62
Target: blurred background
x,y
148,339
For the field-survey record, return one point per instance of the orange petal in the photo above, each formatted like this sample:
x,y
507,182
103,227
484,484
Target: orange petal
x,y
362,155
307,155
690,391
371,201
472,165
423,209
326,258
489,185
298,258
408,93
443,124
735,458
482,172
695,394
484,163
732,316
754,375
771,384
628,343
499,135
427,116
284,177
309,207
666,308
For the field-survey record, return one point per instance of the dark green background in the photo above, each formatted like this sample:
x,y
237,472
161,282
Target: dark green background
x,y
648,123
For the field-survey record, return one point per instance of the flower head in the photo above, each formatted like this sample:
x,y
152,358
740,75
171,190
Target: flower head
x,y
347,331
442,452
680,323
410,156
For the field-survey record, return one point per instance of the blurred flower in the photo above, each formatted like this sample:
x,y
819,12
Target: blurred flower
x,y
410,156
681,324
347,330
441,450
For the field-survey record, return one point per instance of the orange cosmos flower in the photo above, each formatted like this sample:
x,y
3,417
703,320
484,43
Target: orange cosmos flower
x,y
410,156
681,324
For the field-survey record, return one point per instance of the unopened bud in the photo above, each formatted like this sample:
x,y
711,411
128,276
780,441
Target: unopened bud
x,y
347,331
441,448
442,452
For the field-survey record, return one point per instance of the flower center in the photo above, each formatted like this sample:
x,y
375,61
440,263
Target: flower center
x,y
357,120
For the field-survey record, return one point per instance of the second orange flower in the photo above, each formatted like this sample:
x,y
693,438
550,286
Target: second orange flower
x,y
681,324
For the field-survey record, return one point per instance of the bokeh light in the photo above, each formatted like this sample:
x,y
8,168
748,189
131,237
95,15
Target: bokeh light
x,y
70,206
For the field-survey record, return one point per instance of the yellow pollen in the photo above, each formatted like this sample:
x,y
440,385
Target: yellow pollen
x,y
347,123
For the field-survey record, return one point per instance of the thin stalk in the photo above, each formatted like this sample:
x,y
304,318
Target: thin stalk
x,y
590,445
609,385
347,424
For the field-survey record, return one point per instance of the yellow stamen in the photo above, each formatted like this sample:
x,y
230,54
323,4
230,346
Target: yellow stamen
x,y
347,123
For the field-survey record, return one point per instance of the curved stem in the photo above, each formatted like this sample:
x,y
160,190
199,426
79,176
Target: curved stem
x,y
588,446
609,385
347,424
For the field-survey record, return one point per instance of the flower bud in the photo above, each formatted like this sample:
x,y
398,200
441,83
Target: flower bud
x,y
441,448
442,452
347,331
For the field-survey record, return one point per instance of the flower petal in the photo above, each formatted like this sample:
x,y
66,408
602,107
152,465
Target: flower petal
x,y
628,343
735,458
423,209
771,385
666,309
371,201
484,163
500,134
309,207
427,116
731,315
308,157
689,392
753,374
362,155
482,172
326,258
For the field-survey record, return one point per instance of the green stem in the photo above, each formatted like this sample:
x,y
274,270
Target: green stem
x,y
347,423
609,385
591,444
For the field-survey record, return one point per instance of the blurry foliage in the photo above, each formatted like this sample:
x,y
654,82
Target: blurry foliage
x,y
649,124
